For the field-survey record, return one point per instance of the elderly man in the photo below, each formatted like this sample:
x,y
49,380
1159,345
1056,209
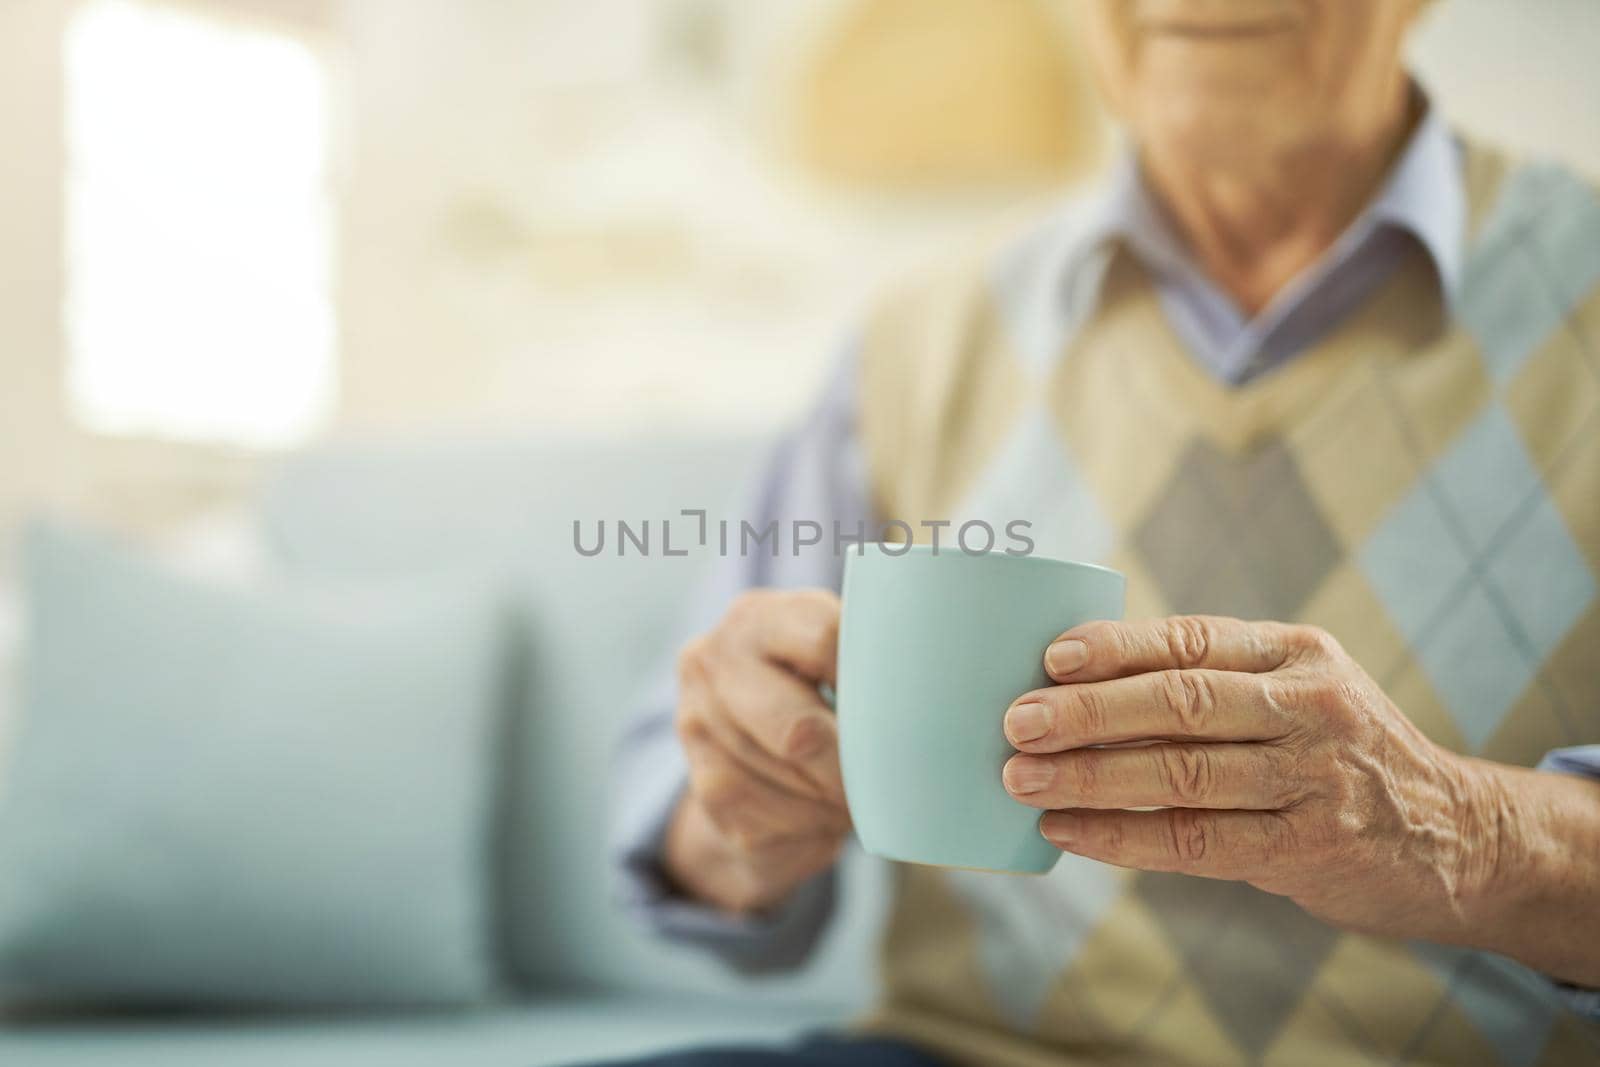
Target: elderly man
x,y
1312,360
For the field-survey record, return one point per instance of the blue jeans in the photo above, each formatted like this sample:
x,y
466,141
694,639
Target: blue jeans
x,y
816,1051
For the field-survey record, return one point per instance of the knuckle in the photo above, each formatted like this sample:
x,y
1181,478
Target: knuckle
x,y
692,658
746,607
1087,779
826,601
742,836
1274,642
1191,838
721,793
1331,699
691,728
803,737
730,812
1319,695
1289,784
1189,773
1189,697
1173,693
1089,712
1114,838
1188,640
1350,697
1350,823
1284,706
1280,697
1315,641
823,636
1278,840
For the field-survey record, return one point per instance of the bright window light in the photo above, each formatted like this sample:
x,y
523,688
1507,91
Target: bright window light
x,y
199,302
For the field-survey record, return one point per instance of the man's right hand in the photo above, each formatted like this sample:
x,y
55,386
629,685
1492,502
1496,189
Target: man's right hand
x,y
765,807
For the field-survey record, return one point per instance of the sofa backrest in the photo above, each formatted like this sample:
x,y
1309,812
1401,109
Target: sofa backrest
x,y
594,629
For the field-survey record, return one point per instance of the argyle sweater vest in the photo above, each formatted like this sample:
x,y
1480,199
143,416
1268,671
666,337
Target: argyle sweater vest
x,y
1424,483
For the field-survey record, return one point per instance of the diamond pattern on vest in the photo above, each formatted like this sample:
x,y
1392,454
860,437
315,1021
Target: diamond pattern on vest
x,y
1480,573
1435,510
1225,928
1508,1004
1237,536
1033,479
1531,267
1028,926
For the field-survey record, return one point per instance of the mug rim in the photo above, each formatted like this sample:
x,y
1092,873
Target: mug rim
x,y
955,552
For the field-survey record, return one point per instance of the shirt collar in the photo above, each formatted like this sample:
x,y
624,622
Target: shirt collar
x,y
1424,195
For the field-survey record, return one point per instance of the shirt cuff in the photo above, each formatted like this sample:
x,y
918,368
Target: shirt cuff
x,y
777,941
1582,760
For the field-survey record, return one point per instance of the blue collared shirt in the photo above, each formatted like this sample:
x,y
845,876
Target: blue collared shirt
x,y
819,472
1422,202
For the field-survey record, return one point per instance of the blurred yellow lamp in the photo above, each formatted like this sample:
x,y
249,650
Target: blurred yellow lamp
x,y
946,93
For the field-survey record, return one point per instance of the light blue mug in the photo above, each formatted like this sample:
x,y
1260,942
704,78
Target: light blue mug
x,y
933,647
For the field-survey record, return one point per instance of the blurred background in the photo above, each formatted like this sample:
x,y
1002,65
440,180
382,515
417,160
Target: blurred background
x,y
230,227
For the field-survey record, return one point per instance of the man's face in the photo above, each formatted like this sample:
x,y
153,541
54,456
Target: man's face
x,y
1209,77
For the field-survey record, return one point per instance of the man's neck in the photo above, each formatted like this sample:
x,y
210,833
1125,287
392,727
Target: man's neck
x,y
1253,223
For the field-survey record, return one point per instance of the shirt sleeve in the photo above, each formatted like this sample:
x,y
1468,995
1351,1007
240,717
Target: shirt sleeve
x,y
816,474
1582,760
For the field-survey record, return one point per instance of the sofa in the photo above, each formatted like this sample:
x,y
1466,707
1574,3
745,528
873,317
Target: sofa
x,y
581,982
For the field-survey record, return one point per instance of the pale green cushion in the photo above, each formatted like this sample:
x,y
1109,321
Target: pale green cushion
x,y
549,1031
221,796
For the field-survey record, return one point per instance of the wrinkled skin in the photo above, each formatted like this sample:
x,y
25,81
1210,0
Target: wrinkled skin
x,y
1263,126
1273,759
1284,765
765,808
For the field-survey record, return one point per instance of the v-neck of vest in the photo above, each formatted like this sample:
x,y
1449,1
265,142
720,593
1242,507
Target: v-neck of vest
x,y
1238,417
1402,317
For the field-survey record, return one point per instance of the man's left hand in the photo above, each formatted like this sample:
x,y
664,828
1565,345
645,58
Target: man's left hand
x,y
1281,763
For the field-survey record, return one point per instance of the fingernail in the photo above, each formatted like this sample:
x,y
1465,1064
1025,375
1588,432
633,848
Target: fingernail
x,y
1059,826
1064,657
1027,722
1024,775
